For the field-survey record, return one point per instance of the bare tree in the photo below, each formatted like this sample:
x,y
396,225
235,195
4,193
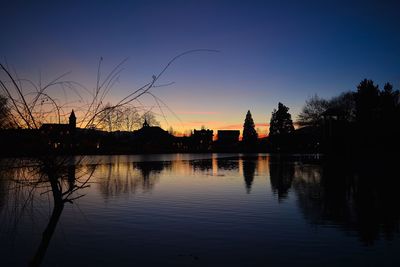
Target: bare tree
x,y
126,118
5,114
130,118
311,114
32,104
111,120
150,118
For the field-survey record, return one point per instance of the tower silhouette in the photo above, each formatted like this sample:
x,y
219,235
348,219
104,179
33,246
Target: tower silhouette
x,y
72,120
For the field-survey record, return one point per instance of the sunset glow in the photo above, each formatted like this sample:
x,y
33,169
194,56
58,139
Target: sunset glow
x,y
269,53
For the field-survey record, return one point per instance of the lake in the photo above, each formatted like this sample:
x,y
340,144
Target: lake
x,y
198,210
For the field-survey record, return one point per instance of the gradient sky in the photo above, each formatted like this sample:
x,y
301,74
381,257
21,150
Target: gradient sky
x,y
271,51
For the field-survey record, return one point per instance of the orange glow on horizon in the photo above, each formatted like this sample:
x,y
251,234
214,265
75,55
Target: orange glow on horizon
x,y
262,130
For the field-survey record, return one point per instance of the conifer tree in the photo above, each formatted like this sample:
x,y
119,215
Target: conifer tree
x,y
249,132
281,121
367,102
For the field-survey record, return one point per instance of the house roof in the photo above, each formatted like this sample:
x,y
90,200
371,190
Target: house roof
x,y
152,132
55,126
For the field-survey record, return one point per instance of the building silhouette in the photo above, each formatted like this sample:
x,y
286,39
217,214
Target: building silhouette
x,y
228,140
149,139
59,135
201,140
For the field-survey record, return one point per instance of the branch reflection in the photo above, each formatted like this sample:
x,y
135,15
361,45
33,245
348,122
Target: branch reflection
x,y
30,179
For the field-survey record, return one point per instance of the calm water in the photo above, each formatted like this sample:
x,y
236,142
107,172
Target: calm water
x,y
199,210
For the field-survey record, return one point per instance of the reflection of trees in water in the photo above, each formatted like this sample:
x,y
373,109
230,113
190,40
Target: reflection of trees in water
x,y
228,164
203,165
150,172
29,180
13,196
125,178
365,201
249,170
281,171
4,184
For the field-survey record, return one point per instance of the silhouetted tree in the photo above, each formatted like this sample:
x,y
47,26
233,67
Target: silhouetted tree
x,y
249,133
5,114
131,118
281,121
345,104
150,118
65,187
367,102
380,109
345,121
389,102
313,110
33,104
311,114
171,131
112,120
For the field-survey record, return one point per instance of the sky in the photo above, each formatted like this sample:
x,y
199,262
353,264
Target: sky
x,y
269,51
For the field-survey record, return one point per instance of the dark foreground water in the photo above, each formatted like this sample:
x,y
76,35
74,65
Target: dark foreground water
x,y
198,210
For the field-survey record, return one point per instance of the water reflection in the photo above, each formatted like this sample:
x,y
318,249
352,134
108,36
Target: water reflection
x,y
362,200
31,179
202,165
150,172
327,194
118,178
350,197
213,195
3,187
249,170
281,171
228,164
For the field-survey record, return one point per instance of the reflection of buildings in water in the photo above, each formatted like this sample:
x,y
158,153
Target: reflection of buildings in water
x,y
281,171
363,201
127,177
203,165
228,164
248,165
215,164
150,172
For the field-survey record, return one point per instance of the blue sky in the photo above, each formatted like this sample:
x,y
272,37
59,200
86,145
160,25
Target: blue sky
x,y
270,51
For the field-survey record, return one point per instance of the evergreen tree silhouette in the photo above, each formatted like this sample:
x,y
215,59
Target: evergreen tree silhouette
x,y
367,102
249,133
389,106
281,121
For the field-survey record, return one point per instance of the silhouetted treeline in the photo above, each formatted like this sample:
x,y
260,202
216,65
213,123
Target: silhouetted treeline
x,y
62,139
352,123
